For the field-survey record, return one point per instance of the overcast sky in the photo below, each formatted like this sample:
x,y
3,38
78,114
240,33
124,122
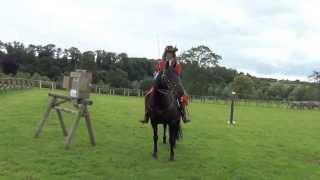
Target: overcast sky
x,y
270,38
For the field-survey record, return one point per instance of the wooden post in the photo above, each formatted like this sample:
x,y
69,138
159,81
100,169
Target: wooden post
x,y
82,111
40,84
231,120
231,111
63,127
45,117
73,128
89,126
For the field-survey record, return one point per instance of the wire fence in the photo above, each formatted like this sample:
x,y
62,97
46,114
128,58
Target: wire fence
x,y
301,105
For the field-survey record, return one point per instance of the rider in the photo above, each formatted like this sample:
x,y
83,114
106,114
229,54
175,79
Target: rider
x,y
170,56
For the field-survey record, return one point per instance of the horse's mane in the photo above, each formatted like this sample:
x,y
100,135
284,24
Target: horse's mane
x,y
169,73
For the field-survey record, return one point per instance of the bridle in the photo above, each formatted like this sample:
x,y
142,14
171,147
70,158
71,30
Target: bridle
x,y
171,85
170,91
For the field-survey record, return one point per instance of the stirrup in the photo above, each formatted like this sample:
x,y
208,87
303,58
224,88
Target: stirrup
x,y
145,120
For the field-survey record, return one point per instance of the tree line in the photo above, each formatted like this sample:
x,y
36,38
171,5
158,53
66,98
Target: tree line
x,y
202,73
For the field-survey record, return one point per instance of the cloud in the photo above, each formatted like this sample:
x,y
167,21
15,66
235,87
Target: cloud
x,y
268,38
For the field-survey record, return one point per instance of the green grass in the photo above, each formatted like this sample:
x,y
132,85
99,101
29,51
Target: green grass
x,y
266,143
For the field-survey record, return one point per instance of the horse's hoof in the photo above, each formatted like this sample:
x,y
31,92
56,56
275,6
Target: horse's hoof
x,y
155,156
171,158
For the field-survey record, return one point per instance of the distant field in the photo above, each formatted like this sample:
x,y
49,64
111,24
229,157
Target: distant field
x,y
267,143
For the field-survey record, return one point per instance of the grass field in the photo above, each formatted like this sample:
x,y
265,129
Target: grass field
x,y
266,143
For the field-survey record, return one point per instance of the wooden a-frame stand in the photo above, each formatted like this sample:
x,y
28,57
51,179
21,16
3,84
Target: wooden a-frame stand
x,y
81,111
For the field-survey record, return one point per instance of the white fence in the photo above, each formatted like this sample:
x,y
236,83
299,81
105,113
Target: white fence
x,y
7,84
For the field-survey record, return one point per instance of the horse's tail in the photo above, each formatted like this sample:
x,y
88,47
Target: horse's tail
x,y
179,134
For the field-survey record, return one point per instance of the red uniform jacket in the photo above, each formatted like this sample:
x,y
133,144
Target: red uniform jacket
x,y
162,64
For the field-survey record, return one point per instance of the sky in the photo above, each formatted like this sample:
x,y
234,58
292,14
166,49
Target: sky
x,y
266,38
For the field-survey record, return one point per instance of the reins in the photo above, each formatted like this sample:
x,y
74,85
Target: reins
x,y
163,91
167,92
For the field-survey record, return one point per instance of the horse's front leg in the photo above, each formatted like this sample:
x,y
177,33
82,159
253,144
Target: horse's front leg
x,y
172,140
164,134
155,140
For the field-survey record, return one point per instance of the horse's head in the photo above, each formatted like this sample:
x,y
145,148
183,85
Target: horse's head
x,y
168,78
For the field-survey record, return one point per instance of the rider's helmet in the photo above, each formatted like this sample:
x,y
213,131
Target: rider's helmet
x,y
169,53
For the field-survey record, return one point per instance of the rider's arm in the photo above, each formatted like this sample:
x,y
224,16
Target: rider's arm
x,y
157,67
178,69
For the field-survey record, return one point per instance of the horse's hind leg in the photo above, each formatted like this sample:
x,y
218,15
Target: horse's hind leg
x,y
155,140
164,133
172,140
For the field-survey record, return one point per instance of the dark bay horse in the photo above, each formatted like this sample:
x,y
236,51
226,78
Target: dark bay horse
x,y
163,108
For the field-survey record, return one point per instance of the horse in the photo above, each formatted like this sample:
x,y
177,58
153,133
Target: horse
x,y
164,108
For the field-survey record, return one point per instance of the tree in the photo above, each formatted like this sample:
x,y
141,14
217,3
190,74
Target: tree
x,y
312,93
2,48
117,78
298,93
37,76
203,55
226,92
58,53
277,91
23,75
135,84
201,75
315,76
46,51
243,85
146,84
87,61
31,50
122,57
54,73
100,55
211,90
74,55
9,65
105,60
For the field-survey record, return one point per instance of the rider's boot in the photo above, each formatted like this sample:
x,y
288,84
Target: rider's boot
x,y
185,116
